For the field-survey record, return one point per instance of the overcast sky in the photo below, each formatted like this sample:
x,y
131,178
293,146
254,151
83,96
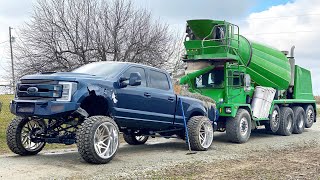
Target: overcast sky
x,y
278,23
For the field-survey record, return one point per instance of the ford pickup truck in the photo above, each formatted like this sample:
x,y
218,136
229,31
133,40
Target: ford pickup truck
x,y
91,105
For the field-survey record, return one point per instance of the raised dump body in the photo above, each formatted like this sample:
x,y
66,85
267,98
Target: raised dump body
x,y
266,66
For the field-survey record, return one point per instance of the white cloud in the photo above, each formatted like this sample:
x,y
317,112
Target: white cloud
x,y
295,23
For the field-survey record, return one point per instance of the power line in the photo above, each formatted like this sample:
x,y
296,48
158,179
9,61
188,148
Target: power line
x,y
4,42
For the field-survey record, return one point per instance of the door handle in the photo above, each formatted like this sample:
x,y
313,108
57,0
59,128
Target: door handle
x,y
147,94
171,99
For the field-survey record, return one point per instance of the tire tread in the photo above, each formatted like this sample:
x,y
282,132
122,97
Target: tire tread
x,y
84,139
232,127
283,123
193,126
13,141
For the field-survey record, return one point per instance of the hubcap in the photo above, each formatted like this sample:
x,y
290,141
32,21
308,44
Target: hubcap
x,y
106,140
244,126
206,134
310,116
26,135
275,118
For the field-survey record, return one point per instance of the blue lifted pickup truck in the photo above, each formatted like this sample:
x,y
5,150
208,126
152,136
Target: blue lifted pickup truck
x,y
92,104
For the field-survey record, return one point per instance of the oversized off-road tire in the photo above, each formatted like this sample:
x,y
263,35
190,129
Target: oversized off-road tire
x,y
310,115
19,136
133,139
200,133
286,121
299,119
98,139
274,121
239,128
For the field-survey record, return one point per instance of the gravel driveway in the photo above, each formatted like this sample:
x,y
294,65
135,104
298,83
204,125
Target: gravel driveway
x,y
132,161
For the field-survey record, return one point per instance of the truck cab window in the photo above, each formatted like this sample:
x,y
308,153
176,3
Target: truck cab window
x,y
212,79
139,70
235,78
159,80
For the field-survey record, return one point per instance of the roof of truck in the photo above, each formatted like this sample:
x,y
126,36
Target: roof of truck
x,y
131,63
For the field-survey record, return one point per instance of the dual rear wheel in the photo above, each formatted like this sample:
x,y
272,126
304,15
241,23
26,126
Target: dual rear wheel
x,y
287,120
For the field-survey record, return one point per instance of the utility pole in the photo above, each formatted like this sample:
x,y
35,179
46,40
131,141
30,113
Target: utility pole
x,y
12,67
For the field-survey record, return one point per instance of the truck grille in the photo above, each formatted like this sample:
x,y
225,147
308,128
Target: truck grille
x,y
36,89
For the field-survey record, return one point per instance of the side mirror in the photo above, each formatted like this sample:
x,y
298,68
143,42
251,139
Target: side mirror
x,y
247,82
135,79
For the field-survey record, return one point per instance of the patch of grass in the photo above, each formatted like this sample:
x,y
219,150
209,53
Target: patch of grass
x,y
5,118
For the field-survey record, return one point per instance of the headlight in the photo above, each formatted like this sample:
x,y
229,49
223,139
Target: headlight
x,y
228,110
68,89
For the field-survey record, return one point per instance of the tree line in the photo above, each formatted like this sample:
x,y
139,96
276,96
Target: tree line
x,y
63,35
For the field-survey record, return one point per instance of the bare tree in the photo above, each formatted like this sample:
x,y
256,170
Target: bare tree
x,y
63,35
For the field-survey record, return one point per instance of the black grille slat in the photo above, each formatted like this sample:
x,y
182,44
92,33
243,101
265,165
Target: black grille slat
x,y
43,89
38,81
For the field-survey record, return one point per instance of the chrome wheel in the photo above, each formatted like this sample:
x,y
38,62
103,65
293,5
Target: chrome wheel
x,y
310,116
141,138
106,140
206,134
244,126
27,133
275,119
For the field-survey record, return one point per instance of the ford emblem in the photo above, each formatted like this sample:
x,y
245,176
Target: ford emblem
x,y
32,90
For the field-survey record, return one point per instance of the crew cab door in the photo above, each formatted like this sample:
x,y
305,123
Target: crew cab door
x,y
130,100
161,98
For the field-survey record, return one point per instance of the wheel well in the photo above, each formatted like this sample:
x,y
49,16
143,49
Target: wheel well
x,y
246,108
95,105
196,113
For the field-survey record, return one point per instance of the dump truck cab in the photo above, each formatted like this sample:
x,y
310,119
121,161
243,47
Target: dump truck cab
x,y
215,44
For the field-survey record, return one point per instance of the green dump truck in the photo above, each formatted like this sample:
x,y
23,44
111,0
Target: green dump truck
x,y
252,84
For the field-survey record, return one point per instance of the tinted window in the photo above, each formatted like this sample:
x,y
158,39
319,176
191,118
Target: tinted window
x,y
159,80
139,70
235,79
212,79
105,69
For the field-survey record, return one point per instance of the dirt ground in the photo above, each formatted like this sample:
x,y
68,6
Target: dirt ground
x,y
300,163
265,156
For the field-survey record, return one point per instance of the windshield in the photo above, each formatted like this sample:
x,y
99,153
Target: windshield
x,y
104,69
212,79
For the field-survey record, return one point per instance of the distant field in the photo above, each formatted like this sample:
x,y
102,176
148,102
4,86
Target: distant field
x,y
318,104
5,118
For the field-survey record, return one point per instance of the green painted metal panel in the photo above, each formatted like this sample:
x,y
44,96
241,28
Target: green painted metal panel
x,y
291,101
267,66
202,27
302,84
